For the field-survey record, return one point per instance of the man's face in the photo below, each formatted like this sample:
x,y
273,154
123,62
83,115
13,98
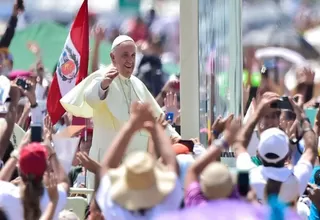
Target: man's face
x,y
270,120
123,58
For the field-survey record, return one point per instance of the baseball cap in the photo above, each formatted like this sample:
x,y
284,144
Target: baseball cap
x,y
216,181
274,145
33,160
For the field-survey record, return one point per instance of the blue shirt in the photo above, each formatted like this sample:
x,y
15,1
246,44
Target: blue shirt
x,y
314,213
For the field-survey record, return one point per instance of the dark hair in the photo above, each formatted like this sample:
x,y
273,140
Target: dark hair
x,y
272,188
277,165
3,215
31,193
6,157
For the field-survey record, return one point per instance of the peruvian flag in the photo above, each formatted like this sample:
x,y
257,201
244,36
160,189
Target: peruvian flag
x,y
73,63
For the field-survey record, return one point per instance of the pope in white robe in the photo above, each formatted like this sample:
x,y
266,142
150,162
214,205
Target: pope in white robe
x,y
106,96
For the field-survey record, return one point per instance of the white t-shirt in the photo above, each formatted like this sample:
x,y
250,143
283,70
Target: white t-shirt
x,y
113,211
260,174
11,204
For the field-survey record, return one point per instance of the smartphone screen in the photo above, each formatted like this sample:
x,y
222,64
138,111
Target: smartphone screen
x,y
169,117
36,133
188,143
243,183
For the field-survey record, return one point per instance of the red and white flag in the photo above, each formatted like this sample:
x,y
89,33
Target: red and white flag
x,y
73,63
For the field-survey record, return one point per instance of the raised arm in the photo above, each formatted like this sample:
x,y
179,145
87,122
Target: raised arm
x,y
214,152
10,119
113,156
244,135
11,27
170,131
98,89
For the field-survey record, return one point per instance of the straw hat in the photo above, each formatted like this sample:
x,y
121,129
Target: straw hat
x,y
141,182
216,181
17,134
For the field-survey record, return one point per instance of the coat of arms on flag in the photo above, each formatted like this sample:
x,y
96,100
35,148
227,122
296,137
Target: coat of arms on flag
x,y
68,65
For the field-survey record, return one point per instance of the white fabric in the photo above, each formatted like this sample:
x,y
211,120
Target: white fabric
x,y
198,150
254,141
184,162
41,89
113,211
65,85
10,201
120,39
65,149
4,89
273,140
259,175
303,211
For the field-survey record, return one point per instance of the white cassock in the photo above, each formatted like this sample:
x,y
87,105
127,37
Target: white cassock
x,y
111,113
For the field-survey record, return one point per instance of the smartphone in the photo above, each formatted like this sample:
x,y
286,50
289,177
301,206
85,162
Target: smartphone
x,y
243,183
20,5
23,84
282,103
36,133
188,143
169,117
176,85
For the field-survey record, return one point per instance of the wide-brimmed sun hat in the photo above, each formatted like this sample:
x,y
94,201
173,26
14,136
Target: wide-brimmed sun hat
x,y
141,182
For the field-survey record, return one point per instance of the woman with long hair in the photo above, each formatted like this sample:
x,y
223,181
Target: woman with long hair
x,y
30,198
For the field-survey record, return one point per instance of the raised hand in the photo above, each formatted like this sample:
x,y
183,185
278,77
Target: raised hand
x,y
220,123
162,121
297,105
141,116
87,162
263,107
231,129
109,77
171,105
47,127
99,34
30,93
33,47
51,183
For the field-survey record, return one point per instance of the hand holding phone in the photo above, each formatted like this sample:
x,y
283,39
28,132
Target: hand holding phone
x,y
169,117
23,84
282,103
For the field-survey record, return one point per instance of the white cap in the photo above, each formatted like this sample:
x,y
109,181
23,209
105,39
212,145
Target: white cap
x,y
68,215
120,39
275,141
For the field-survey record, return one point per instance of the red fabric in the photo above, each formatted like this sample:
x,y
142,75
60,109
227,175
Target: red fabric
x,y
33,160
138,31
180,149
79,35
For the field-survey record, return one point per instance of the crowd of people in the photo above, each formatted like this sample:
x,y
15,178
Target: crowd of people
x,y
131,157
